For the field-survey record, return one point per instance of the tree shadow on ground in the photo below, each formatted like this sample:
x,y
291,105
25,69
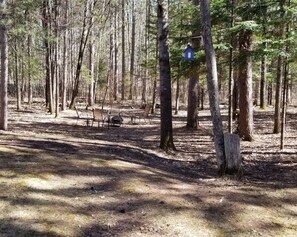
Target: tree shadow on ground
x,y
99,182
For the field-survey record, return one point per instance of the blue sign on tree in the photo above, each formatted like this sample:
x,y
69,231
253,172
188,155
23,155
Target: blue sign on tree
x,y
189,53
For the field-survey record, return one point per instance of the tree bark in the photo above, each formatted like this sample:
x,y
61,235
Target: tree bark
x,y
147,38
279,76
165,78
48,62
29,54
212,84
123,53
65,59
86,29
277,108
17,78
177,96
4,67
91,64
263,79
57,58
192,109
115,77
231,73
193,90
245,86
132,85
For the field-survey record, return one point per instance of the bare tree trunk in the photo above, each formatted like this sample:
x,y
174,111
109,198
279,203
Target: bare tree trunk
x,y
115,77
277,108
154,95
279,77
263,79
22,78
269,94
192,109
91,64
165,78
177,96
4,67
65,60
285,92
111,67
132,83
212,83
48,62
147,38
284,105
193,90
231,74
91,74
245,86
29,53
17,78
86,29
123,52
57,58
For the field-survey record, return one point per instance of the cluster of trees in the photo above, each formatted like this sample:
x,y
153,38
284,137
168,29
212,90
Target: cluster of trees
x,y
110,48
255,48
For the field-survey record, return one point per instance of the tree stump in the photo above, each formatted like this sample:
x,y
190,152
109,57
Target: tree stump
x,y
232,152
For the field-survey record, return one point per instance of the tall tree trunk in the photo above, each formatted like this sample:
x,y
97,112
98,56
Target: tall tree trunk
x,y
91,64
111,68
285,91
57,58
115,77
277,108
212,84
133,34
177,95
147,38
48,62
4,67
91,75
29,53
193,90
263,79
165,77
192,109
65,60
123,52
245,86
269,94
86,29
154,95
231,73
279,76
284,105
17,77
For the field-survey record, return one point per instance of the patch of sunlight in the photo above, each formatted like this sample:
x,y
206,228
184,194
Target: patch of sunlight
x,y
55,182
49,182
8,173
7,149
22,213
134,185
186,223
122,165
56,219
42,184
3,203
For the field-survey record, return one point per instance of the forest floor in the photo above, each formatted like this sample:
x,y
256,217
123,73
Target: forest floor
x,y
61,178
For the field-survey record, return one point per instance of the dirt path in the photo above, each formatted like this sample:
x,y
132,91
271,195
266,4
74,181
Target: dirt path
x,y
61,178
